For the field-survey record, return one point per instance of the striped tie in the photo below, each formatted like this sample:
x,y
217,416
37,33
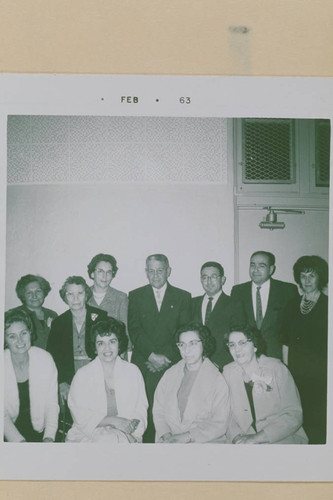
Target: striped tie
x,y
208,309
259,308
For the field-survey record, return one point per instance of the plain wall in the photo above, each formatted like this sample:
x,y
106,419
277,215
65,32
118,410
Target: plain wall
x,y
304,234
55,230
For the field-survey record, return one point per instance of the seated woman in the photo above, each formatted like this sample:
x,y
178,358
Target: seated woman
x,y
265,404
303,331
30,386
107,397
69,333
32,291
191,403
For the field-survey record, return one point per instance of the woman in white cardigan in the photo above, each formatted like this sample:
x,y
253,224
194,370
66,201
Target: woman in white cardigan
x,y
31,389
107,398
191,402
265,403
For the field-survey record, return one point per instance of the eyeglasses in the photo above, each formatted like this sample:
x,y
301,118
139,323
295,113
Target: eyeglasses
x,y
190,344
72,295
241,343
213,277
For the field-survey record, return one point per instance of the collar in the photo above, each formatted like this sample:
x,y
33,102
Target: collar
x,y
160,290
214,297
263,287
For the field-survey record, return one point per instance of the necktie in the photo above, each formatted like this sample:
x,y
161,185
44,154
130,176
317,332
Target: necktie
x,y
158,299
208,309
259,308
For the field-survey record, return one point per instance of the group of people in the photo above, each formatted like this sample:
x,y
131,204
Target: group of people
x,y
161,366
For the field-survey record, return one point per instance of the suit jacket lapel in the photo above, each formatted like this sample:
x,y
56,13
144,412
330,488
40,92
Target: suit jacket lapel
x,y
220,305
197,309
270,303
167,303
151,301
248,302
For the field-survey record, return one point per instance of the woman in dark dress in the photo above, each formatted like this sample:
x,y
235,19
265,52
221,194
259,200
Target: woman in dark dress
x,y
69,336
304,335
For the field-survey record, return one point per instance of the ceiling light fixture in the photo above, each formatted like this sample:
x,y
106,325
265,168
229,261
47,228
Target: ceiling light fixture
x,y
271,222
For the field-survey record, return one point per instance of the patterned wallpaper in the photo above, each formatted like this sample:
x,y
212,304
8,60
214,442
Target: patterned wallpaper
x,y
72,149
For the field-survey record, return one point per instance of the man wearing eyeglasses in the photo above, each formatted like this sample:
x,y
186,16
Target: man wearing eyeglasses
x,y
263,300
155,312
215,309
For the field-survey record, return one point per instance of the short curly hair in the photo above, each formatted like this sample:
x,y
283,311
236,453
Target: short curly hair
x,y
75,280
252,334
105,328
24,281
102,257
17,315
309,263
204,333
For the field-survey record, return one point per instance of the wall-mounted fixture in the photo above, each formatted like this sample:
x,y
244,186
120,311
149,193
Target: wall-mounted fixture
x,y
271,222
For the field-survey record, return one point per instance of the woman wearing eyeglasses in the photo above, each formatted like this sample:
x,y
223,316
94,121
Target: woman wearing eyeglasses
x,y
107,397
191,403
265,404
102,269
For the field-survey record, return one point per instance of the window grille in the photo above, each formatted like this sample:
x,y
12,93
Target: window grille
x,y
268,151
322,155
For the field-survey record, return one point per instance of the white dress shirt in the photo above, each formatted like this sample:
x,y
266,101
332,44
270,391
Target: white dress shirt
x,y
264,294
159,295
205,303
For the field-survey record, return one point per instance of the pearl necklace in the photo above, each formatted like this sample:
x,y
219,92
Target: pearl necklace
x,y
307,305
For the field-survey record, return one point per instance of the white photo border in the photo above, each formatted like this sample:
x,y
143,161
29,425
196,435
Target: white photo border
x,y
223,97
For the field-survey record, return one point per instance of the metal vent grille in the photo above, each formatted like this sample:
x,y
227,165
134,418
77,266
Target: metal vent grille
x,y
323,138
268,151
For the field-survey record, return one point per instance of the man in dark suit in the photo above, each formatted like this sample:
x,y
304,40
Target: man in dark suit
x,y
215,309
155,312
263,299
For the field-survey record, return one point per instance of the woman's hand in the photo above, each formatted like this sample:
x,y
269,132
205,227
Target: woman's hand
x,y
184,437
123,424
63,392
157,362
165,438
48,440
249,438
241,439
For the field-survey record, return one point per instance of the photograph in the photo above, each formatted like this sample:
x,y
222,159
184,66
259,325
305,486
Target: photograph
x,y
165,267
